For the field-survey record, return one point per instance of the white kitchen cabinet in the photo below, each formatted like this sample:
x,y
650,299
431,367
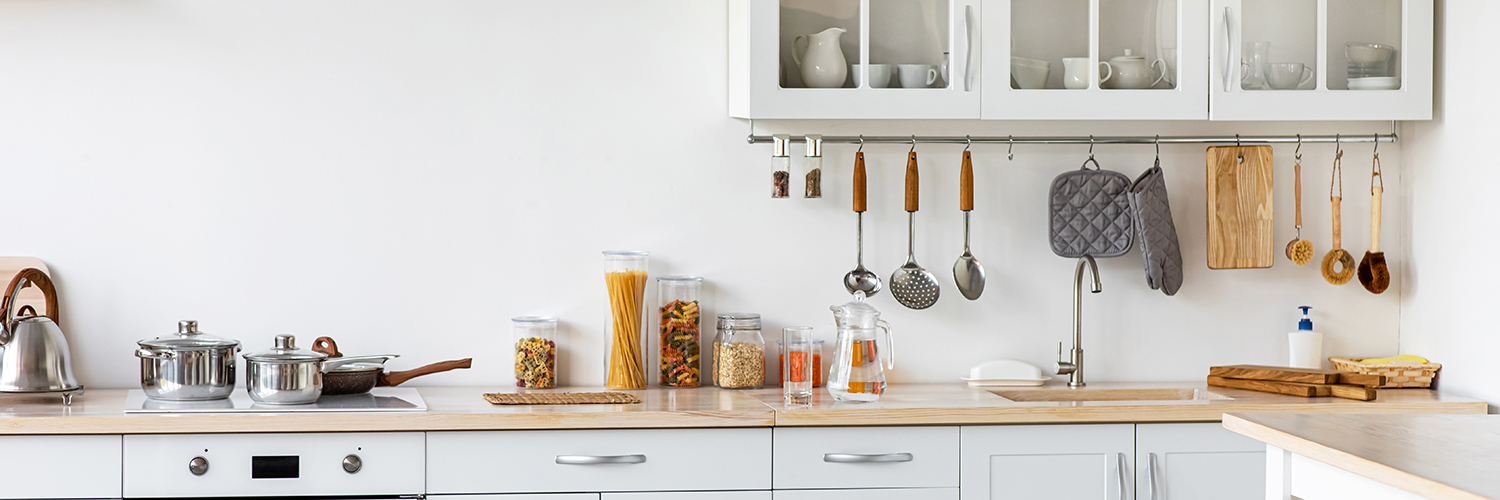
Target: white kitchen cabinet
x,y
60,467
1314,33
543,496
690,495
865,457
1047,31
1075,462
1198,461
765,81
870,494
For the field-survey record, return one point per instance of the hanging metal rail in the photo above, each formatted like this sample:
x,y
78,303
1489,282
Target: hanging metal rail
x,y
1101,139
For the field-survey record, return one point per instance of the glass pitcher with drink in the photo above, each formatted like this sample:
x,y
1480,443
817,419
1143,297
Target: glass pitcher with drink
x,y
857,373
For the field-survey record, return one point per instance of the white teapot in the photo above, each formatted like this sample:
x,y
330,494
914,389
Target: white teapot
x,y
1132,72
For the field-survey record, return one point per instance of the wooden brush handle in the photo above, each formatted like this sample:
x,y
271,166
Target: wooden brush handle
x,y
859,181
966,184
911,181
393,379
1298,168
1338,222
1375,193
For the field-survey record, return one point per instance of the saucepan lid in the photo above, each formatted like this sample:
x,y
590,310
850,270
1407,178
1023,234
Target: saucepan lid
x,y
285,351
188,338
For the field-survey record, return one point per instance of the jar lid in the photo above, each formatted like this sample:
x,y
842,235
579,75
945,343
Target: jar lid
x,y
680,279
188,338
286,351
533,320
735,321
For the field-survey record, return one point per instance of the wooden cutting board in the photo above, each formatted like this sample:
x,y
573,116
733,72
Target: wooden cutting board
x,y
1296,389
1240,231
11,266
1303,375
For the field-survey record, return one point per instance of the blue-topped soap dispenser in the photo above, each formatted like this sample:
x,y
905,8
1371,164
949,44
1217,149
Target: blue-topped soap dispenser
x,y
1306,345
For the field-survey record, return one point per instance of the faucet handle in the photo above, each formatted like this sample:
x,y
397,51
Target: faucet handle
x,y
1063,367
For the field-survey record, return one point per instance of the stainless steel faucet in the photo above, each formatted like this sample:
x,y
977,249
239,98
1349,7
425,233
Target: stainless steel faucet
x,y
1074,369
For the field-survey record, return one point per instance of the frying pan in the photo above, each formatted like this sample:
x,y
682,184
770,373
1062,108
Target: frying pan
x,y
359,375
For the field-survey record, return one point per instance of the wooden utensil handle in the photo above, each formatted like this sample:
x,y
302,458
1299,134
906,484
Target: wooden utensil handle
x,y
393,379
859,181
326,345
911,181
966,184
1375,193
40,280
1338,222
1298,168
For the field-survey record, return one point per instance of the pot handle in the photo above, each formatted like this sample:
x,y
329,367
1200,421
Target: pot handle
x,y
393,379
326,345
29,275
149,354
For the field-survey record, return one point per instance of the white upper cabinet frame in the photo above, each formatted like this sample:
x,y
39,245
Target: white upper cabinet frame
x,y
756,64
1187,99
1326,98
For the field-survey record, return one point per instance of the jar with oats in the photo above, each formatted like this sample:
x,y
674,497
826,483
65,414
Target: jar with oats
x,y
739,352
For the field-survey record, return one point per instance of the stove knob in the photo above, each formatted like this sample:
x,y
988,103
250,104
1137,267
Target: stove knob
x,y
198,466
352,463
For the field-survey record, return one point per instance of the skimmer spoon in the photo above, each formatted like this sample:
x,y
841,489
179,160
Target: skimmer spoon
x,y
911,285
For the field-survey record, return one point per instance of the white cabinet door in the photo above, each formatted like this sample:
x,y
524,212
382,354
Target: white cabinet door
x,y
870,494
765,80
1198,462
1072,462
544,496
1026,41
690,495
1313,34
60,467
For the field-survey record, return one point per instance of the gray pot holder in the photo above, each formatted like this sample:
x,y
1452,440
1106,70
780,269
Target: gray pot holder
x,y
1090,214
1153,219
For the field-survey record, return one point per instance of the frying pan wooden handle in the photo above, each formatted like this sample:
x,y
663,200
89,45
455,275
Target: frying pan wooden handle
x,y
911,181
859,181
1338,222
1375,193
36,277
326,345
1298,167
966,184
392,379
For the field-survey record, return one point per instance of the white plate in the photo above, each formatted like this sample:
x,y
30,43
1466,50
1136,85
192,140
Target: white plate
x,y
976,382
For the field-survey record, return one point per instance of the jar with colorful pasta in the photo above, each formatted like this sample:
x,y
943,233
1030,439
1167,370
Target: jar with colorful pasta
x,y
681,340
536,351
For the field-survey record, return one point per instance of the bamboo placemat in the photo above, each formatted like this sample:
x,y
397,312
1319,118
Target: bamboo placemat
x,y
561,398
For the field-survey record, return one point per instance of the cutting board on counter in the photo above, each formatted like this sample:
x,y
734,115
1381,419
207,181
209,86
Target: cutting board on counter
x,y
1240,231
32,296
1299,375
1296,389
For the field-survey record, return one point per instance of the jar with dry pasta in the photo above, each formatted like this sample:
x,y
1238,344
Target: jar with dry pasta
x,y
739,352
625,282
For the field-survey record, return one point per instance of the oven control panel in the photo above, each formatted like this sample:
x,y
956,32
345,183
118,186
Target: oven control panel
x,y
260,465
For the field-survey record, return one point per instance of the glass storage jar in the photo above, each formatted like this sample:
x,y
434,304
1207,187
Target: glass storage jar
x,y
680,315
625,280
536,351
739,352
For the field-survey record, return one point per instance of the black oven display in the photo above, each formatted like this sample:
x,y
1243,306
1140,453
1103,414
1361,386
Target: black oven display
x,y
274,467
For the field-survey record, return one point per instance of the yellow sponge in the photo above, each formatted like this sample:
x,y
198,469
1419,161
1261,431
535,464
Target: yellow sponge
x,y
1386,361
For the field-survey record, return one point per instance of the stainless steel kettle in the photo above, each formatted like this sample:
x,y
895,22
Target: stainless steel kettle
x,y
34,355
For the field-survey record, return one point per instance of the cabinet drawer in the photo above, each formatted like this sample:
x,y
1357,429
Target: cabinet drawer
x,y
886,494
60,467
598,460
866,457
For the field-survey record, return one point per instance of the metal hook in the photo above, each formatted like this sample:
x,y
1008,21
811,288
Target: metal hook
x,y
967,142
1158,146
1091,146
861,144
1010,154
1338,149
1298,152
1377,145
1236,140
913,144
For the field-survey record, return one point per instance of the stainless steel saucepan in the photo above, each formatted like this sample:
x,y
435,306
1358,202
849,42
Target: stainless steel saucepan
x,y
188,365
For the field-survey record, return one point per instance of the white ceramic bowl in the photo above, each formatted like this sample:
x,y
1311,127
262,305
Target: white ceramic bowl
x,y
1367,53
1375,83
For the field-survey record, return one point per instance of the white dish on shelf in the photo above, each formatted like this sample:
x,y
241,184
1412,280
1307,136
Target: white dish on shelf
x,y
1375,83
978,382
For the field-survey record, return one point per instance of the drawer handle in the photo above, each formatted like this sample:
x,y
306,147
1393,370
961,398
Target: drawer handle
x,y
600,459
855,458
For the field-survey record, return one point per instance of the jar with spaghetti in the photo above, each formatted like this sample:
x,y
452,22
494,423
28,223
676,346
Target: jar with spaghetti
x,y
739,352
536,351
679,313
625,282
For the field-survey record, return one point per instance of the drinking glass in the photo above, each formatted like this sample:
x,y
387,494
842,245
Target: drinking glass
x,y
797,342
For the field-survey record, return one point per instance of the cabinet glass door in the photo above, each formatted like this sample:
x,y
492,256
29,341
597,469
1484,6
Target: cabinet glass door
x,y
1095,59
1321,60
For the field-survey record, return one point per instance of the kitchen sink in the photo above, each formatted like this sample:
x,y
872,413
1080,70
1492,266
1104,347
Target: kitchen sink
x,y
1086,394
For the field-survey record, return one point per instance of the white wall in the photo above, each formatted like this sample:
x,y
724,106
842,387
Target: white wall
x,y
1447,311
406,176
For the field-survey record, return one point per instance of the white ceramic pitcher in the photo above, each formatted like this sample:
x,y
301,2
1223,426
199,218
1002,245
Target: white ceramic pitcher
x,y
822,62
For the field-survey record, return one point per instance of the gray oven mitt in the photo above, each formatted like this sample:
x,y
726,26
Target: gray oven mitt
x,y
1153,219
1089,213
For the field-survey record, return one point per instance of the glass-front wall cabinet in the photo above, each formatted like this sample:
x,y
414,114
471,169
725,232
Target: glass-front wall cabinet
x,y
1095,59
1321,60
854,58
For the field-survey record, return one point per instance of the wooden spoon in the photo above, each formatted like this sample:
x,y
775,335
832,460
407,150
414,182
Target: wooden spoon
x,y
1373,273
1338,265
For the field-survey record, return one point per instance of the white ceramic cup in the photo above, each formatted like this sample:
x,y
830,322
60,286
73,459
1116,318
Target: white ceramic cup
x,y
1076,72
917,76
880,74
1288,75
1029,73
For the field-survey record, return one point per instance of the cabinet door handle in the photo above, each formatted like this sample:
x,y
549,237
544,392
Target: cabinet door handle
x,y
1120,470
600,459
1151,476
856,458
1228,51
968,47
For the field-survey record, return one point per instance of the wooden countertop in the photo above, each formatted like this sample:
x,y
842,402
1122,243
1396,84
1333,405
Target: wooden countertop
x,y
463,408
1434,456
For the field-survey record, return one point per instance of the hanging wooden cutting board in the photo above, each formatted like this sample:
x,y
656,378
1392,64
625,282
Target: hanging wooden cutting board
x,y
1240,230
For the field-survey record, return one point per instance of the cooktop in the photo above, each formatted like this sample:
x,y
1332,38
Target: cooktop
x,y
378,400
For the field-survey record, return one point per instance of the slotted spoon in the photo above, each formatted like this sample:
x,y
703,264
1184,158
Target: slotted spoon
x,y
911,285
